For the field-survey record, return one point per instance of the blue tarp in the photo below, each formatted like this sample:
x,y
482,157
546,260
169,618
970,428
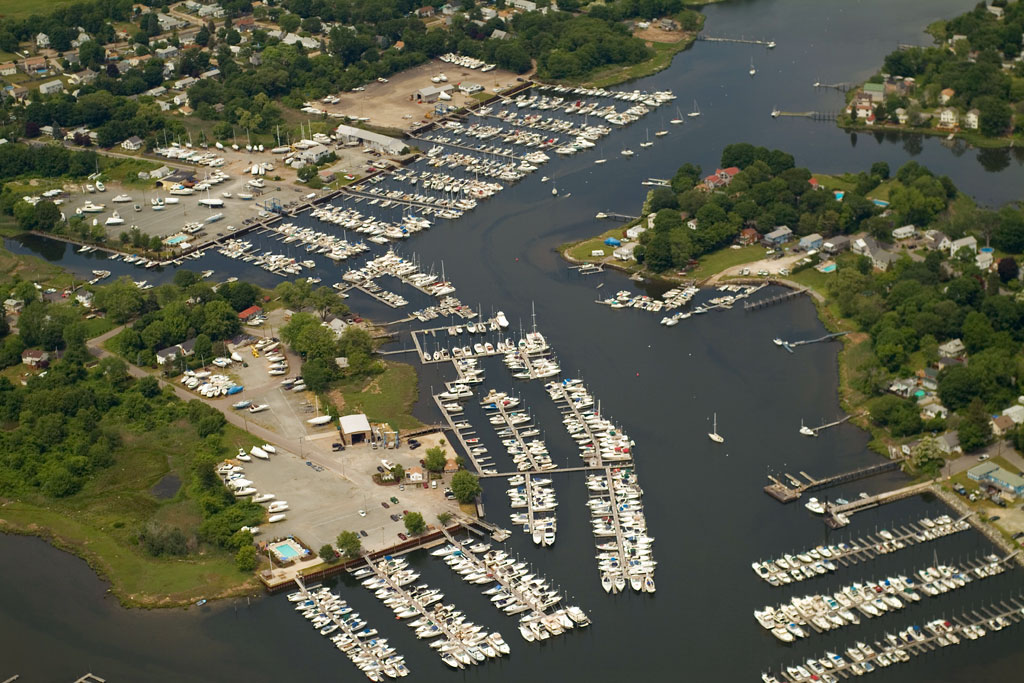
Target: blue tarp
x,y
612,242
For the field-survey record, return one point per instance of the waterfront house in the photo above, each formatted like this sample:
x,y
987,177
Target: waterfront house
x,y
875,92
968,243
84,297
901,115
1015,413
249,313
995,11
451,466
132,144
904,388
954,348
635,232
184,350
984,259
314,155
34,358
946,95
778,236
936,241
948,117
971,120
949,443
1002,424
812,241
904,232
625,252
813,182
868,246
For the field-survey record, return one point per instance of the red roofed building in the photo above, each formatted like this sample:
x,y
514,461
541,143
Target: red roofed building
x,y
424,12
720,178
815,185
250,313
749,236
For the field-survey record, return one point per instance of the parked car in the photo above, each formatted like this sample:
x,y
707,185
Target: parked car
x,y
414,446
363,533
994,518
337,446
395,518
394,500
983,457
403,536
401,487
384,505
362,513
433,484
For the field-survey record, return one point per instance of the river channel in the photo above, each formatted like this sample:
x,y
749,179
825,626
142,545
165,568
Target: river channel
x,y
703,501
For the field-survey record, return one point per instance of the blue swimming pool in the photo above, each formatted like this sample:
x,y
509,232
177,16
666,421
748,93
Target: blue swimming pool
x,y
177,239
286,552
830,268
880,202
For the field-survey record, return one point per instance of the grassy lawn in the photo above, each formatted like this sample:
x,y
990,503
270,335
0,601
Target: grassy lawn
x,y
722,259
26,8
581,250
384,398
844,182
126,170
815,280
94,327
613,75
27,267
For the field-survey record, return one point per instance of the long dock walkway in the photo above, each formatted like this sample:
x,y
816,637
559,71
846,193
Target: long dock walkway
x,y
557,470
459,435
465,148
922,640
838,515
561,395
822,559
787,494
745,41
771,301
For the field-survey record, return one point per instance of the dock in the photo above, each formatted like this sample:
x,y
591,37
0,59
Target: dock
x,y
813,115
787,494
869,599
839,515
771,301
465,148
459,435
744,41
789,346
617,216
841,87
802,565
332,610
916,640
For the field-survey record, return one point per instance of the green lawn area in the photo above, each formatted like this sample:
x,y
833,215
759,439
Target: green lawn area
x,y
94,327
613,75
384,398
842,182
815,280
581,250
722,259
126,170
27,267
26,8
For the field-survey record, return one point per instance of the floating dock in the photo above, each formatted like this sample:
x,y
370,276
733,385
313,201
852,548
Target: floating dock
x,y
824,559
839,515
787,494
744,41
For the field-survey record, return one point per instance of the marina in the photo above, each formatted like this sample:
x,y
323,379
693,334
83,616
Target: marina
x,y
862,658
823,559
512,589
787,494
459,642
329,614
803,616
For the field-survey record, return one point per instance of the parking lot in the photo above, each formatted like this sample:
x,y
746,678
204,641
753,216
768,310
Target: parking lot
x,y
326,491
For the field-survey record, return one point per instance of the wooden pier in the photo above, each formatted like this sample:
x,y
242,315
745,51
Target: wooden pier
x,y
839,515
771,301
787,494
745,41
841,87
618,216
465,148
813,115
458,435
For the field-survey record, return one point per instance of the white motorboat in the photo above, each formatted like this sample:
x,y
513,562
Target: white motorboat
x,y
713,434
318,421
277,518
815,506
89,207
268,448
247,491
258,452
277,506
115,219
263,498
121,198
258,408
100,187
807,431
627,152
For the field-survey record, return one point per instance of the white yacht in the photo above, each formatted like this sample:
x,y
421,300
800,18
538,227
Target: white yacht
x,y
115,219
89,207
713,434
627,152
807,431
815,506
501,319
121,198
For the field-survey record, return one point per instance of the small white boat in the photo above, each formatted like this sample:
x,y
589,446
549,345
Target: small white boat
x,y
115,219
501,319
752,69
258,408
277,518
100,187
268,448
263,498
627,152
713,434
318,421
807,431
696,110
815,506
258,452
121,198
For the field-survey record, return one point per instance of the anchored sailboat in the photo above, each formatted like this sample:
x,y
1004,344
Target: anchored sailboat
x,y
713,434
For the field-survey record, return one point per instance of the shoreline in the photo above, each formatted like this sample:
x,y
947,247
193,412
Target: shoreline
x,y
970,138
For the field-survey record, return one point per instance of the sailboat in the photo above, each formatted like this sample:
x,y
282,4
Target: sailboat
x,y
678,119
627,152
600,161
807,431
713,434
554,191
752,69
696,110
647,143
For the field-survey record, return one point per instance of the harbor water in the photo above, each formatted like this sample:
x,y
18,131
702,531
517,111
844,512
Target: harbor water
x,y
703,501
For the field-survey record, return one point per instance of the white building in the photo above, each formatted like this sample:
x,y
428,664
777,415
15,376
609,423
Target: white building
x,y
903,233
132,144
42,41
948,117
963,243
381,143
314,154
51,88
971,120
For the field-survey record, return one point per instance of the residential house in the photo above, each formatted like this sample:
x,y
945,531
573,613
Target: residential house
x,y
156,92
488,13
132,144
668,24
836,244
946,95
51,88
971,120
933,410
1015,413
305,41
84,297
903,388
34,358
34,65
691,224
954,348
209,73
936,241
903,233
813,182
249,313
8,69
1002,424
425,12
963,243
525,5
180,99
868,246
245,23
498,34
184,349
625,252
165,53
949,443
749,236
42,41
901,115
812,241
183,83
414,474
169,23
212,11
336,325
81,38
948,117
875,91
778,236
13,306
995,11
984,259
635,232
929,378
451,466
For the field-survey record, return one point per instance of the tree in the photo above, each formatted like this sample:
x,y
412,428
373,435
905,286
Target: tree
x,y
663,198
975,430
927,458
349,544
245,558
327,553
435,459
414,523
1007,269
465,486
325,301
398,472
444,518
